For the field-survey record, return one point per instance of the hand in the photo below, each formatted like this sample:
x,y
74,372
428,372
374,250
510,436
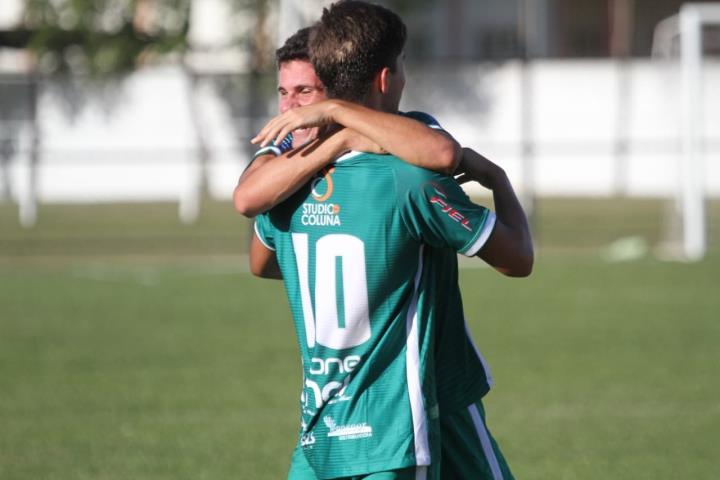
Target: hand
x,y
303,136
474,166
315,115
342,140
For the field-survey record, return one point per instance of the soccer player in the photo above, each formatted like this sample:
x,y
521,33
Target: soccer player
x,y
367,253
298,86
468,449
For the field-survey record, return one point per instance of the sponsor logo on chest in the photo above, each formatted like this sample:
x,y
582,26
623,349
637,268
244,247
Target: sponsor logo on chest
x,y
321,214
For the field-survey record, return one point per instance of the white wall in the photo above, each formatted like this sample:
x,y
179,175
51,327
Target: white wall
x,y
11,13
145,148
578,114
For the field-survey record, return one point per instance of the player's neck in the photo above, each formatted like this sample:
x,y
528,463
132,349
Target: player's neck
x,y
376,101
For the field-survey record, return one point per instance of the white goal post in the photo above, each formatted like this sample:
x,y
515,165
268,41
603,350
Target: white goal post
x,y
691,198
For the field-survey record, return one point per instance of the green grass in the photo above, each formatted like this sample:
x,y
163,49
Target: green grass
x,y
133,347
144,373
122,229
604,370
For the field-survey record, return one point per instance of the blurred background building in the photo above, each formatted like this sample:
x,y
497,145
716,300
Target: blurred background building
x,y
145,100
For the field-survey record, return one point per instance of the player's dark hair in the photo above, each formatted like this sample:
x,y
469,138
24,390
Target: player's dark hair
x,y
294,48
351,43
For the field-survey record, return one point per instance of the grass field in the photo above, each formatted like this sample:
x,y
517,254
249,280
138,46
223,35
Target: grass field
x,y
133,347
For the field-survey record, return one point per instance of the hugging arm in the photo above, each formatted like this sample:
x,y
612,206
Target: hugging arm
x,y
404,137
509,249
269,180
263,262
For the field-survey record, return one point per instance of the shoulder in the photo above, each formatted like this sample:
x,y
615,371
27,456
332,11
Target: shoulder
x,y
411,180
390,162
404,175
422,117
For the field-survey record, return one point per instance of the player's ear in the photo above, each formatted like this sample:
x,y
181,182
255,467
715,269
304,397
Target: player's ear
x,y
382,80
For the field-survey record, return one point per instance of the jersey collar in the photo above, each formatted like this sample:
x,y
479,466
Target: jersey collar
x,y
348,156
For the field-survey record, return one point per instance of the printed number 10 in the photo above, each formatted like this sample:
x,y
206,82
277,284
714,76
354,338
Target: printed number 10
x,y
323,325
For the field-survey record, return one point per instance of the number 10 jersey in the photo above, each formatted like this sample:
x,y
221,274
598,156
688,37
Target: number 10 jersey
x,y
366,250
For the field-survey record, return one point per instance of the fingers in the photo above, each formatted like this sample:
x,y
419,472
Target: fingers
x,y
277,128
284,132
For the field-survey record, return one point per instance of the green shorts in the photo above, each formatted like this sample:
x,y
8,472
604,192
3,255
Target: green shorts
x,y
301,470
468,448
468,452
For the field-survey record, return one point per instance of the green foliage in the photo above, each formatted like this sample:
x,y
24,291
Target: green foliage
x,y
105,37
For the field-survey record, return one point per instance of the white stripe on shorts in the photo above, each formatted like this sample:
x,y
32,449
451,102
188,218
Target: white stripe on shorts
x,y
485,441
421,473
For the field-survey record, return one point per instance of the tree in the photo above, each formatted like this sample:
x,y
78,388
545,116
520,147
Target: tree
x,y
105,37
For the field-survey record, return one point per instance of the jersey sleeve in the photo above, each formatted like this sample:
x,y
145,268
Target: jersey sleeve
x,y
424,118
265,231
438,212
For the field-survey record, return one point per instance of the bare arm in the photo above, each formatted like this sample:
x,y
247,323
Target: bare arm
x,y
509,248
404,137
263,262
270,180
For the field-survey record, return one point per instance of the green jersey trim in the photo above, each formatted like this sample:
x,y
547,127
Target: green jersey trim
x,y
262,239
488,223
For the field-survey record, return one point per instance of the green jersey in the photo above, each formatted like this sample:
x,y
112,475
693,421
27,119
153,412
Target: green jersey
x,y
367,255
462,375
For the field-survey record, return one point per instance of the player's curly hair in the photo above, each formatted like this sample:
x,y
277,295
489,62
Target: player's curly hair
x,y
294,48
351,43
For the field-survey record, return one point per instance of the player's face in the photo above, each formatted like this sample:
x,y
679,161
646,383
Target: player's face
x,y
298,85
